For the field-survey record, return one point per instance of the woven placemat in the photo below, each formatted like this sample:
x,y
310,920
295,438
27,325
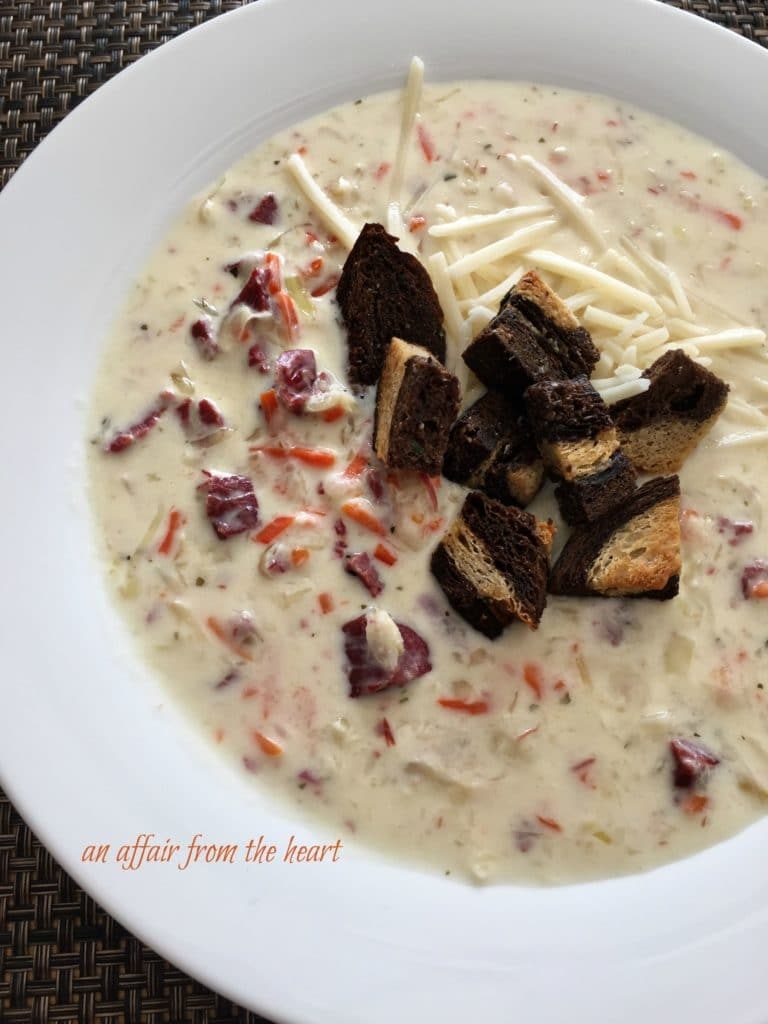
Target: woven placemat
x,y
62,958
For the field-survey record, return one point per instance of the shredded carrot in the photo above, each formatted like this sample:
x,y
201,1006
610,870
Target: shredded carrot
x,y
385,555
333,414
302,150
328,285
532,676
177,323
360,511
175,520
694,803
268,746
268,403
416,223
322,457
249,693
468,707
310,237
274,529
221,634
218,735
326,603
759,590
356,466
299,556
286,307
549,823
426,143
274,273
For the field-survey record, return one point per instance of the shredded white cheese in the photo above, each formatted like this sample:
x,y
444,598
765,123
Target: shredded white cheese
x,y
735,337
749,437
625,389
495,294
334,219
492,253
476,222
611,286
411,101
438,269
571,202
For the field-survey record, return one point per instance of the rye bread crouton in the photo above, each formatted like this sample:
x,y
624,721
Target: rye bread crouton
x,y
492,565
385,293
533,337
660,428
491,448
416,402
634,551
580,446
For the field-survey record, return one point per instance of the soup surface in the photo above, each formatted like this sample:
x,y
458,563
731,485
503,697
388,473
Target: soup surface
x,y
540,757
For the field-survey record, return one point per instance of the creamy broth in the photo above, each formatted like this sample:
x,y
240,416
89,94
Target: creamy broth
x,y
564,772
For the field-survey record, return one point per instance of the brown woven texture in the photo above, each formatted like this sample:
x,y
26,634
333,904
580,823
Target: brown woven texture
x,y
62,958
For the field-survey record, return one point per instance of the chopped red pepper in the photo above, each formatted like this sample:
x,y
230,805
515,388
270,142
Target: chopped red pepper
x,y
532,676
692,761
202,335
473,707
326,603
226,638
731,219
384,729
549,823
426,143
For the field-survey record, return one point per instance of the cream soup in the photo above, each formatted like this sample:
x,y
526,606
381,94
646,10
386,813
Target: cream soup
x,y
542,756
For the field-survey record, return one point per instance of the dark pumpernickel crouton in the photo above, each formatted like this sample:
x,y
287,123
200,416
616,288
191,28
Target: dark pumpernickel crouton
x,y
490,448
660,428
632,552
416,402
591,497
384,293
579,443
533,337
492,565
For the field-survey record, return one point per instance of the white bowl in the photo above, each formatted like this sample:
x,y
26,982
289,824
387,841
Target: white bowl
x,y
88,748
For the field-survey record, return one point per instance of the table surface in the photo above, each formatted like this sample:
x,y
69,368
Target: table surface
x,y
62,958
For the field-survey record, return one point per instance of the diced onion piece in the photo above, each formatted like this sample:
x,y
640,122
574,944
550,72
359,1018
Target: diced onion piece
x,y
334,219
